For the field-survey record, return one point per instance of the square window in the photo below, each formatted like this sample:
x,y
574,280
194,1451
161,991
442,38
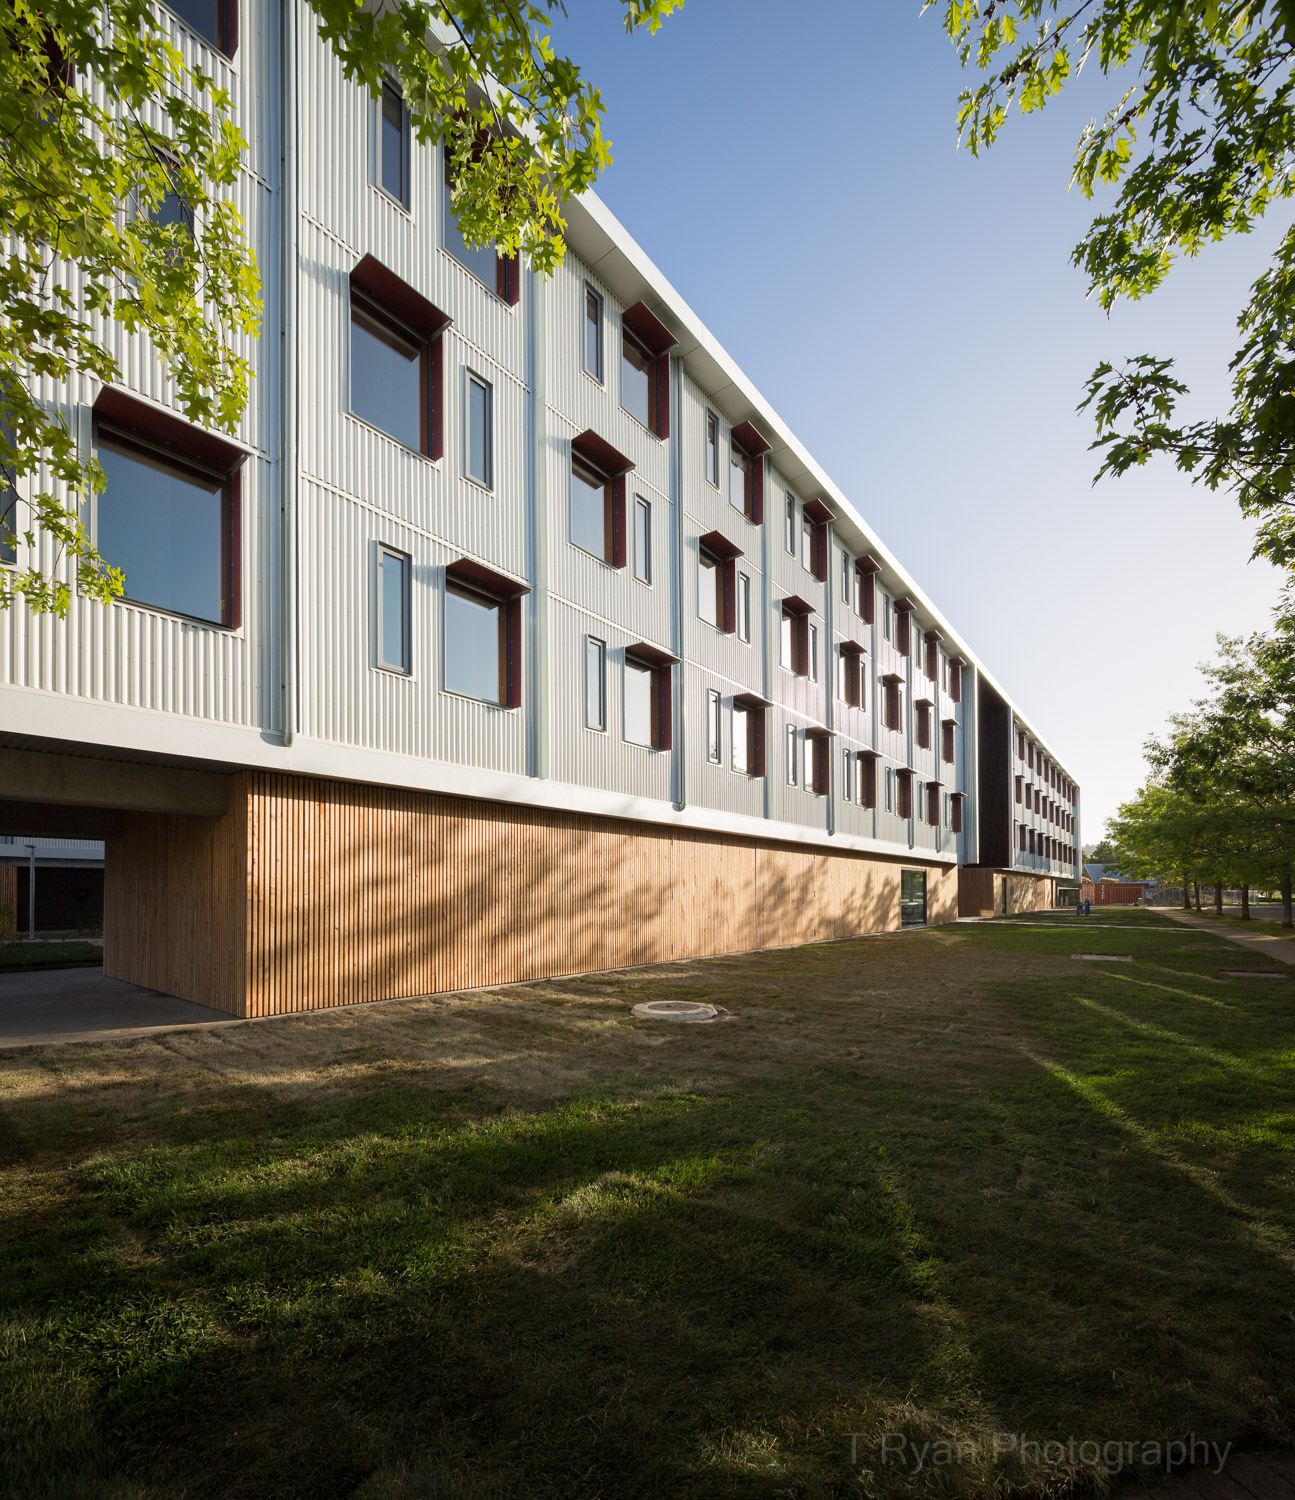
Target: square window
x,y
594,334
393,144
642,539
474,644
712,448
170,526
480,445
744,607
393,610
595,683
714,729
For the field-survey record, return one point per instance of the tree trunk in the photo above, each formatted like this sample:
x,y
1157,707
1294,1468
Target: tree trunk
x,y
1218,897
1187,892
1245,903
1196,888
1286,896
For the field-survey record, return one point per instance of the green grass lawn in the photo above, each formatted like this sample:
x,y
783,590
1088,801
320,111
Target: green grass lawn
x,y
74,953
945,1184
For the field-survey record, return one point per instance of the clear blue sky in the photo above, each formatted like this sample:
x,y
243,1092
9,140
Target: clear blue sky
x,y
912,313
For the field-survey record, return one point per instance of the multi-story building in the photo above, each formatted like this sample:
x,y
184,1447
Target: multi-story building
x,y
512,634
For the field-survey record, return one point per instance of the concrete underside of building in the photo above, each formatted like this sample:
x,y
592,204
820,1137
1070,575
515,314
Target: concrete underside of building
x,y
309,893
996,893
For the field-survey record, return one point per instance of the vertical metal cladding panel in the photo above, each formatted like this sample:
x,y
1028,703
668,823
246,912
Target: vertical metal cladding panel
x,y
128,654
851,817
346,697
588,757
791,804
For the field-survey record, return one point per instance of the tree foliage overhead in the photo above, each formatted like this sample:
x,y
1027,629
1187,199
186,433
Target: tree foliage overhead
x,y
1197,142
118,163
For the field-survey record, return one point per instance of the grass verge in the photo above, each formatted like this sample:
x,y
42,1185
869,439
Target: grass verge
x,y
943,1186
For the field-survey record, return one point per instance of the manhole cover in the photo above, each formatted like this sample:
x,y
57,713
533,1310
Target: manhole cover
x,y
1104,958
675,1010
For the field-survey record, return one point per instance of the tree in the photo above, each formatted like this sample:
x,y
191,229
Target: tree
x,y
1198,142
117,164
1104,853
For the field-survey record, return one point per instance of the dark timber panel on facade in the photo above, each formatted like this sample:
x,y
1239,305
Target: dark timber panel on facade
x,y
316,893
995,811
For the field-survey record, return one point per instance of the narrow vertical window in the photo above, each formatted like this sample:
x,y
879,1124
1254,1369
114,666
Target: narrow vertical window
x,y
712,449
786,628
789,535
393,610
393,147
8,520
847,567
807,546
813,653
791,755
890,789
741,738
595,683
710,583
638,380
887,618
847,776
739,479
713,726
744,607
480,431
642,539
594,334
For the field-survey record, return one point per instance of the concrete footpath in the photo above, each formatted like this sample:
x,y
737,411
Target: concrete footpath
x,y
1280,948
82,1005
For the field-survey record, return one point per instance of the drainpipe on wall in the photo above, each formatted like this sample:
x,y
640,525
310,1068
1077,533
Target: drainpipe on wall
x,y
676,578
772,745
829,681
31,892
539,483
288,372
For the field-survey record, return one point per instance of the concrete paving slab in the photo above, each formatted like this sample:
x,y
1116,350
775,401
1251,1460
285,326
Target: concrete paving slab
x,y
83,1005
1279,948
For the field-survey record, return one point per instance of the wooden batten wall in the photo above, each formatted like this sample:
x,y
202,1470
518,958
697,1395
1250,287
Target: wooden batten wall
x,y
8,899
323,893
980,892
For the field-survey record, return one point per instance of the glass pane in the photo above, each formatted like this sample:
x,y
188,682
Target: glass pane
x,y
712,726
472,645
202,16
912,898
595,689
594,334
737,467
784,641
638,703
707,573
386,382
712,449
643,540
744,606
480,262
588,513
8,523
479,431
790,538
636,368
394,633
393,143
741,729
791,756
163,530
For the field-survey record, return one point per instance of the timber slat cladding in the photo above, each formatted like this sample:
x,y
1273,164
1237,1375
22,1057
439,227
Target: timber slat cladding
x,y
315,893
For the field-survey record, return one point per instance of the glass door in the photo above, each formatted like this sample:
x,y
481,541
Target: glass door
x,y
912,898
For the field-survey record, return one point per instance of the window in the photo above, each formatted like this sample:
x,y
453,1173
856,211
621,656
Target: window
x,y
480,446
890,789
748,734
1020,745
393,143
819,777
813,653
8,516
501,273
786,641
483,634
393,610
903,631
923,717
215,21
642,539
865,592
794,641
807,544
905,780
169,513
638,381
847,567
594,334
850,674
867,780
712,449
847,776
647,697
1021,831
590,509
396,358
887,618
892,708
714,727
744,607
932,655
955,812
791,755
917,804
739,479
933,803
645,368
172,212
710,588
789,534
595,683
1029,755
815,539
950,728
